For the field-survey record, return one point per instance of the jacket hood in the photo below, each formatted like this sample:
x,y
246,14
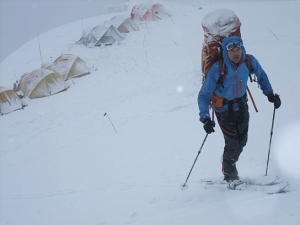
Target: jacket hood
x,y
230,40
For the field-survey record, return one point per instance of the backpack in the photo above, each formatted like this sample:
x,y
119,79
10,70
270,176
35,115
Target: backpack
x,y
217,25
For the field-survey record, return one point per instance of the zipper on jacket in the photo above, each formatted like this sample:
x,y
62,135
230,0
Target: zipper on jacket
x,y
236,83
241,88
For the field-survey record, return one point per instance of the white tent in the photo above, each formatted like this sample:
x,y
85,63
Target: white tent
x,y
100,35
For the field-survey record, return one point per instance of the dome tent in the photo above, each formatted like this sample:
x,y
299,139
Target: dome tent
x,y
9,101
69,66
100,35
123,25
41,83
149,12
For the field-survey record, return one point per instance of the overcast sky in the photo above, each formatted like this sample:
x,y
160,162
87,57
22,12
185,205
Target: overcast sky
x,y
22,20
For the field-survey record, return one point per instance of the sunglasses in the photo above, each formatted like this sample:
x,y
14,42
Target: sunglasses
x,y
233,45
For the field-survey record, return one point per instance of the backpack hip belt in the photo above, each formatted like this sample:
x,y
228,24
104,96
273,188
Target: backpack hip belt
x,y
232,115
218,102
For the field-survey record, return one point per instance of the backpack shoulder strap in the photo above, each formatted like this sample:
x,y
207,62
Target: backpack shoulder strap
x,y
249,66
222,67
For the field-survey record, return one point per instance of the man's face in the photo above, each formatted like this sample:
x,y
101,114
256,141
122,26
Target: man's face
x,y
235,55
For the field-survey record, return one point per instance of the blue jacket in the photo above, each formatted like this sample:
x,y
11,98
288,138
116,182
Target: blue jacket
x,y
235,82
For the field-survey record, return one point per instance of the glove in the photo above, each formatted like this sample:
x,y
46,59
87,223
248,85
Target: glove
x,y
274,99
209,125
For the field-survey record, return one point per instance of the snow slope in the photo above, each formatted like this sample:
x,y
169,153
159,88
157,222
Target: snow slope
x,y
62,162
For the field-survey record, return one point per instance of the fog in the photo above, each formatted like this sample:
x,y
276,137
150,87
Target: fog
x,y
22,20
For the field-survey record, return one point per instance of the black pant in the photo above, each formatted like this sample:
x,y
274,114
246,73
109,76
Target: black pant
x,y
234,126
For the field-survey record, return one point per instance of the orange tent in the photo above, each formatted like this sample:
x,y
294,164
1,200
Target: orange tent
x,y
123,25
148,12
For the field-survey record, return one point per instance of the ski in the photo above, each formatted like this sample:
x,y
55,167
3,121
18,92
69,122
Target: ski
x,y
268,189
282,189
249,181
262,181
268,186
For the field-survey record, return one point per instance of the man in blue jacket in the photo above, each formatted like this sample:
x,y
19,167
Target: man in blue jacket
x,y
229,100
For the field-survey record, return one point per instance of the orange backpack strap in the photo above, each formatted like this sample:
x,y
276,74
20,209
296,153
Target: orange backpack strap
x,y
250,68
222,67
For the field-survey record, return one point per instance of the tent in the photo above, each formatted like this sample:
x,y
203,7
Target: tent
x,y
149,12
100,35
69,66
123,25
41,83
9,101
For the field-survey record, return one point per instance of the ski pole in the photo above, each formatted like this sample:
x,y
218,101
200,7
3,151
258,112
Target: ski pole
x,y
270,141
184,186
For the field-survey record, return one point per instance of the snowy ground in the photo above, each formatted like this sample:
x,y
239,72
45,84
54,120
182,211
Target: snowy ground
x,y
61,161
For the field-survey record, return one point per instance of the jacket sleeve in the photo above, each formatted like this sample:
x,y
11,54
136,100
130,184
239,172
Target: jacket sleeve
x,y
206,91
261,75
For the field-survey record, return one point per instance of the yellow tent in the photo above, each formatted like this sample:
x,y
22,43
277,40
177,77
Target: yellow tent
x,y
69,66
9,101
41,83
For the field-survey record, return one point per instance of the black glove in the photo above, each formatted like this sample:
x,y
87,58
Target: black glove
x,y
209,125
274,99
